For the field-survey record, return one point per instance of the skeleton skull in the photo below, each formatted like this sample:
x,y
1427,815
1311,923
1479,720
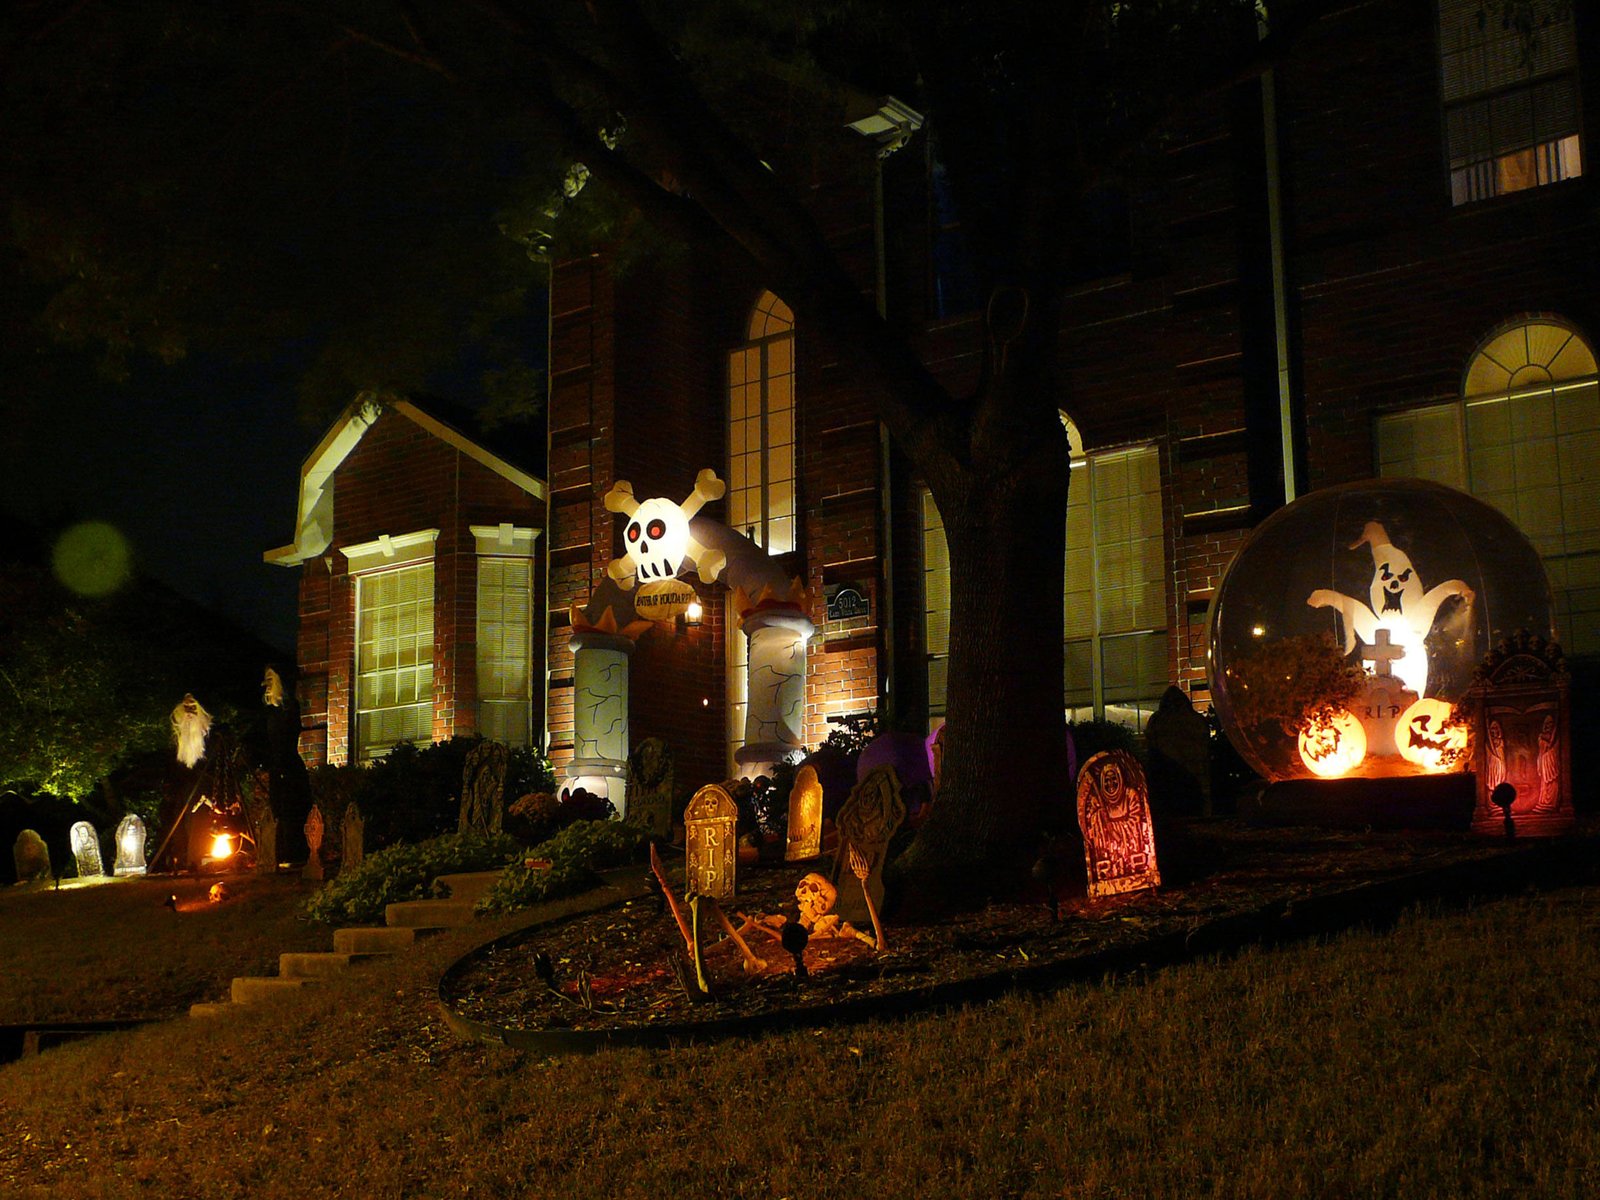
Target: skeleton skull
x,y
658,538
815,896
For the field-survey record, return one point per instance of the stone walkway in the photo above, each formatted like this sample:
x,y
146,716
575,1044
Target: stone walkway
x,y
403,923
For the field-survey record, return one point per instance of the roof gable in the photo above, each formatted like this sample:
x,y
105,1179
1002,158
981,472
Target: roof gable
x,y
314,519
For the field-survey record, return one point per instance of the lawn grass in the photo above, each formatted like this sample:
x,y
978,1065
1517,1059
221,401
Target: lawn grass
x,y
110,949
1455,1055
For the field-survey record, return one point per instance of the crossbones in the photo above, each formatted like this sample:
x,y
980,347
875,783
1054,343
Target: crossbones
x,y
658,537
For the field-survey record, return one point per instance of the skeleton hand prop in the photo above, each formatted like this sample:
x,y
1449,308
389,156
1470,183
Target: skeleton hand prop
x,y
657,534
858,868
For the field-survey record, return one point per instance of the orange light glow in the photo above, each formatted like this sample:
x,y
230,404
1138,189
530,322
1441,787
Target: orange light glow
x,y
1425,738
1333,748
221,845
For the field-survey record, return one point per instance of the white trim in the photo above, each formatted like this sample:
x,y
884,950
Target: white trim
x,y
390,551
505,540
314,518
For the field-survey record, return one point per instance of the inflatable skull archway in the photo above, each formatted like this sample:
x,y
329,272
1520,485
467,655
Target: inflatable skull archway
x,y
663,541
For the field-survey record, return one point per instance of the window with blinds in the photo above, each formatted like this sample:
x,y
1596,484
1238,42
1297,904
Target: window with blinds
x,y
1525,438
394,659
1510,98
1113,594
761,429
1113,591
505,638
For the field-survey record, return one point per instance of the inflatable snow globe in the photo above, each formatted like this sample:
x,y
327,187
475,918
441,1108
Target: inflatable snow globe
x,y
1349,624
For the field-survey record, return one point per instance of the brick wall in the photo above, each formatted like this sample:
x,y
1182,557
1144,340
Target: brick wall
x,y
400,478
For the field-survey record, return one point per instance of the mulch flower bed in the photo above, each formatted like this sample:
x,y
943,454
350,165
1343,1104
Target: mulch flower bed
x,y
612,969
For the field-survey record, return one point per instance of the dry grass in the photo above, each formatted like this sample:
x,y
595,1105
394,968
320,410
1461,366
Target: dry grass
x,y
1453,1056
109,949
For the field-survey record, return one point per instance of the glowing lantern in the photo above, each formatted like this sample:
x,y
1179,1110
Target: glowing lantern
x,y
221,846
1331,748
1425,737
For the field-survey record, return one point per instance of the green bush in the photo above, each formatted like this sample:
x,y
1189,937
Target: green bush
x,y
575,854
404,872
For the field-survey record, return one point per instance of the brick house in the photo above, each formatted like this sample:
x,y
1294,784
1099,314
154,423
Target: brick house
x,y
1381,259
420,566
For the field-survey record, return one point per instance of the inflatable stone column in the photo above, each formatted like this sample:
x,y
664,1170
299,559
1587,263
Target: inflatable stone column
x,y
775,719
600,715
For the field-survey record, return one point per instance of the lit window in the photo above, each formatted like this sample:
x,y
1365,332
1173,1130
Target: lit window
x,y
1510,98
1525,438
394,659
505,633
761,433
1113,593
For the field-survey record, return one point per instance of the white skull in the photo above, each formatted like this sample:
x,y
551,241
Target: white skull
x,y
657,537
815,896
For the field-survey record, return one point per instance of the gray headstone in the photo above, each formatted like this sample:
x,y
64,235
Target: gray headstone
x,y
355,832
31,856
130,845
649,787
867,821
266,844
483,789
86,850
1179,741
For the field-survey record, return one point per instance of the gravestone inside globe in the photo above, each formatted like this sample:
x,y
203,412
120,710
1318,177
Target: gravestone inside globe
x,y
1349,624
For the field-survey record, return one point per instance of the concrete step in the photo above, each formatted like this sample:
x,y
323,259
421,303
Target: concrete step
x,y
210,1010
428,914
250,989
318,964
366,939
468,886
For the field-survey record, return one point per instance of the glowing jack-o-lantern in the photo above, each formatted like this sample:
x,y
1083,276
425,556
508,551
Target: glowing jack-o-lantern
x,y
1425,737
1334,747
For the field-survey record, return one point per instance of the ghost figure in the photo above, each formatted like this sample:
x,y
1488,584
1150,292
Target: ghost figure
x,y
190,726
658,537
1399,605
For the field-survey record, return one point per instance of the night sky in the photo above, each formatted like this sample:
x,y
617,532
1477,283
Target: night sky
x,y
197,464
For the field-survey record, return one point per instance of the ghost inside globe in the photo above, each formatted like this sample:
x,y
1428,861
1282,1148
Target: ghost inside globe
x,y
1351,607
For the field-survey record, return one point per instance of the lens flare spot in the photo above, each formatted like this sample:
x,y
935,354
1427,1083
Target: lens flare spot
x,y
92,558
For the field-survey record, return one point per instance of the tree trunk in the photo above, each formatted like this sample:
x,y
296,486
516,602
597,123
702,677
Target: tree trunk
x,y
1003,779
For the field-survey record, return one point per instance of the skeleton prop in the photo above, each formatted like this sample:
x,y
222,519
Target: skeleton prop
x,y
1399,605
658,539
815,898
190,726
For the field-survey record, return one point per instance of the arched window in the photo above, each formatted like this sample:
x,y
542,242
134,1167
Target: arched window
x,y
1524,436
761,491
761,465
1113,594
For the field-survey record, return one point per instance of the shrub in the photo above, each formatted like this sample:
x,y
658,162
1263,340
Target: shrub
x,y
575,854
403,872
1091,737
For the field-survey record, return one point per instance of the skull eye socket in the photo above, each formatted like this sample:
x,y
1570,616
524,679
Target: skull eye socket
x,y
657,528
633,531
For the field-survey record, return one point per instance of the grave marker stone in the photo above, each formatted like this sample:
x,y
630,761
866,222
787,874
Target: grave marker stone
x,y
1520,707
648,794
483,789
355,833
1179,741
805,817
266,844
314,831
712,851
86,850
32,857
867,821
130,846
1119,843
